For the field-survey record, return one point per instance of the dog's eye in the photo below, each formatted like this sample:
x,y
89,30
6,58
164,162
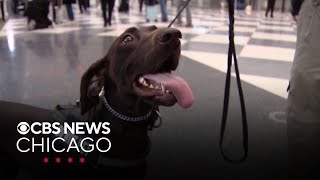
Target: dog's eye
x,y
127,38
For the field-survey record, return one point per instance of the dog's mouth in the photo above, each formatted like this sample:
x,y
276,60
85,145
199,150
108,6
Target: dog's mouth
x,y
163,87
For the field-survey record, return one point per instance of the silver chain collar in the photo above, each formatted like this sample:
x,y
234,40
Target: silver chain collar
x,y
117,114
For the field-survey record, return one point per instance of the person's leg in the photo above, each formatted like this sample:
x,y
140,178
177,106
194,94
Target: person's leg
x,y
110,9
140,5
163,4
296,5
15,6
46,8
54,16
179,6
303,115
59,11
189,16
2,10
81,5
85,5
272,7
104,13
268,7
70,12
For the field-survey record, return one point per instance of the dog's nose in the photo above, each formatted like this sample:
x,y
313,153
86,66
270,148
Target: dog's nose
x,y
169,34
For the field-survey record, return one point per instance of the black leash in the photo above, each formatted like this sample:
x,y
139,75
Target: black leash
x,y
185,5
232,53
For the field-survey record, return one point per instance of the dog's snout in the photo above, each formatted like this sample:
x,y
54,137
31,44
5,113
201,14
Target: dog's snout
x,y
169,34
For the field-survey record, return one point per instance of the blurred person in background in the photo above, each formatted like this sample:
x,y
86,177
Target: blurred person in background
x,y
270,7
104,5
15,4
56,11
180,4
295,4
2,10
303,104
82,6
163,5
87,3
68,4
124,6
140,5
151,10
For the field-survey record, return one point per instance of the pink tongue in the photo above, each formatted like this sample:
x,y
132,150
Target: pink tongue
x,y
176,85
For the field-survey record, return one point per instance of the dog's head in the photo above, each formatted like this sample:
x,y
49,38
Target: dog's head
x,y
137,69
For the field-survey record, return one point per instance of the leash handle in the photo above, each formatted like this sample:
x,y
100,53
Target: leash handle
x,y
185,5
232,54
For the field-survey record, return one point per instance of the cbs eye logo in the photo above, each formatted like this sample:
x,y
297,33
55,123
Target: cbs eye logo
x,y
23,128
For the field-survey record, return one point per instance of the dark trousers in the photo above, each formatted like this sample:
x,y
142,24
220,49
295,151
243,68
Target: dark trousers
x,y
82,4
70,12
104,4
270,7
296,4
2,10
15,6
140,5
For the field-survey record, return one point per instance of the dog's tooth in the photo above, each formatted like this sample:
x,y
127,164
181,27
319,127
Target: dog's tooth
x,y
162,88
167,91
151,86
145,83
141,79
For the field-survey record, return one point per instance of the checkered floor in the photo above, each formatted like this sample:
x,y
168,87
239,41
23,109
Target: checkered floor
x,y
267,44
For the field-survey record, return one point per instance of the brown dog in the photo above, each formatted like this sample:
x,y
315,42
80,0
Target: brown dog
x,y
125,88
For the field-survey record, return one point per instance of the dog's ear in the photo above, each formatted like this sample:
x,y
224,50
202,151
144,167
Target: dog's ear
x,y
92,82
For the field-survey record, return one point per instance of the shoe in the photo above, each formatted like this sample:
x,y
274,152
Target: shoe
x,y
156,20
271,16
164,20
109,21
295,18
189,25
105,24
147,20
178,23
